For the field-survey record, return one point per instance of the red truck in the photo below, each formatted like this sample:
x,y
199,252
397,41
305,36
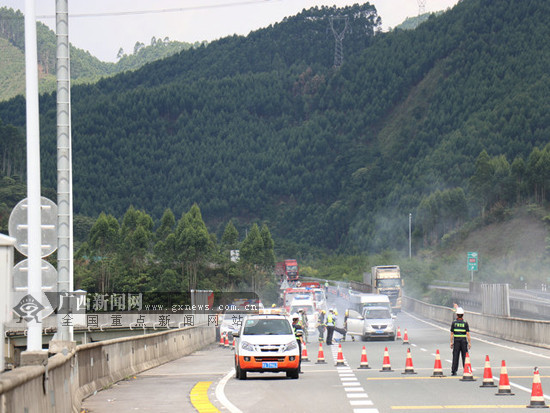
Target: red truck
x,y
287,270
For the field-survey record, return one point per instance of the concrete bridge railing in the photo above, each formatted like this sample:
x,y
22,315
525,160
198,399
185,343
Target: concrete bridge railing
x,y
531,332
66,379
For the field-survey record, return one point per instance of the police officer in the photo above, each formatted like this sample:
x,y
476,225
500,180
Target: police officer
x,y
342,331
460,339
298,332
331,323
321,324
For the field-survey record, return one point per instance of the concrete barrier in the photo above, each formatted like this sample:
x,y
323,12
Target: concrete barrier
x,y
530,332
66,379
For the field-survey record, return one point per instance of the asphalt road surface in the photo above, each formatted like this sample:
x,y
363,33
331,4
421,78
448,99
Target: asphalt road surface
x,y
204,381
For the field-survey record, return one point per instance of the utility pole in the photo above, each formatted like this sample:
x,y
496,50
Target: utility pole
x,y
339,36
65,287
410,233
34,335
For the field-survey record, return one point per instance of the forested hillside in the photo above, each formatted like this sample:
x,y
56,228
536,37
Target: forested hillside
x,y
428,121
85,68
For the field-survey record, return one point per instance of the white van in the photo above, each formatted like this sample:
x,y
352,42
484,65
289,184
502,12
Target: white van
x,y
309,308
361,300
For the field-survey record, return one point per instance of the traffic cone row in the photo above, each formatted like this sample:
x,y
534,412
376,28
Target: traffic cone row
x,y
305,358
537,396
340,358
409,369
438,369
504,383
405,337
488,375
467,376
386,365
321,355
364,362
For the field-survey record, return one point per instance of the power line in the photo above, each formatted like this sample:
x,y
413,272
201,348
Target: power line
x,y
174,10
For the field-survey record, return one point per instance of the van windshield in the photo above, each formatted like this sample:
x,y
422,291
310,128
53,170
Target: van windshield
x,y
307,308
260,327
376,313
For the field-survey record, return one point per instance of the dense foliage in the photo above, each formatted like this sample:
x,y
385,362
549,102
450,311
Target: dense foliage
x,y
133,256
264,128
85,68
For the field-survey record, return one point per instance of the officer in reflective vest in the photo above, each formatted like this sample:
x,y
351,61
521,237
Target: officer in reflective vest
x,y
331,323
460,339
298,332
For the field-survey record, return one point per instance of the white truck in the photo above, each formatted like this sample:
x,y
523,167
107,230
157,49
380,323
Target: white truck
x,y
386,279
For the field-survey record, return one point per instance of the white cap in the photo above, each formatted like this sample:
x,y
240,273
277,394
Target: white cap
x,y
295,315
460,310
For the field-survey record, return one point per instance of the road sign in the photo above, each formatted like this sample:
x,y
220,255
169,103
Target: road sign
x,y
472,261
18,227
21,289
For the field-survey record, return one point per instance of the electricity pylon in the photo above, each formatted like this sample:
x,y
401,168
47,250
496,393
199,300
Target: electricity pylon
x,y
339,36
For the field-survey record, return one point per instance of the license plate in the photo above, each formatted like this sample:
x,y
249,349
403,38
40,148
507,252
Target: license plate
x,y
379,331
269,365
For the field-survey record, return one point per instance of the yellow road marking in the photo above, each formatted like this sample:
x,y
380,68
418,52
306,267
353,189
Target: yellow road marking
x,y
199,398
464,406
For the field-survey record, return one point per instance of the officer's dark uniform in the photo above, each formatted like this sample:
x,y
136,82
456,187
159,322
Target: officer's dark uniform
x,y
298,332
459,328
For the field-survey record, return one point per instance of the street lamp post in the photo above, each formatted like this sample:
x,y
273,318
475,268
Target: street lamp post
x,y
410,222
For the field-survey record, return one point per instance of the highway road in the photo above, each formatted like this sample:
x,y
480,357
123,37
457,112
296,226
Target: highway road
x,y
205,379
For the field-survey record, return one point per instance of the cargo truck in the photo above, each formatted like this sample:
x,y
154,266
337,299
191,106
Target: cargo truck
x,y
386,279
287,270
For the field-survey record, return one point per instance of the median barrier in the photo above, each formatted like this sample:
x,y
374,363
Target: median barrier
x,y
69,377
525,331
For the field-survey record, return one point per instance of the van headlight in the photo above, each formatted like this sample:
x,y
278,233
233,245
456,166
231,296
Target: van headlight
x,y
291,346
245,345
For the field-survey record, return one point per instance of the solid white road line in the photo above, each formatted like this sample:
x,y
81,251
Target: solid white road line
x,y
220,395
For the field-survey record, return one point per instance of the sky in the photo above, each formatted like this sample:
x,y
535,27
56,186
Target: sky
x,y
102,27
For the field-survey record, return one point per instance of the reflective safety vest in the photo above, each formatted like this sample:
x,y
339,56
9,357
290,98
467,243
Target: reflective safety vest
x,y
331,319
459,328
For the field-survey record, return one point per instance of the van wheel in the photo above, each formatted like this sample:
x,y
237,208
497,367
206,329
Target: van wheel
x,y
239,374
293,374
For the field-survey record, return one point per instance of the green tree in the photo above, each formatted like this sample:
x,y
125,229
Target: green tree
x,y
103,244
193,243
482,180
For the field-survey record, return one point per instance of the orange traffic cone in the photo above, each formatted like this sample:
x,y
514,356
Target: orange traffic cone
x,y
233,344
409,369
304,352
438,369
467,376
386,366
321,355
340,357
405,337
221,340
364,362
226,342
488,375
537,396
398,336
504,383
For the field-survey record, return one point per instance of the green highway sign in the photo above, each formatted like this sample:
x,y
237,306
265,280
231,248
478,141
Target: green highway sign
x,y
472,261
